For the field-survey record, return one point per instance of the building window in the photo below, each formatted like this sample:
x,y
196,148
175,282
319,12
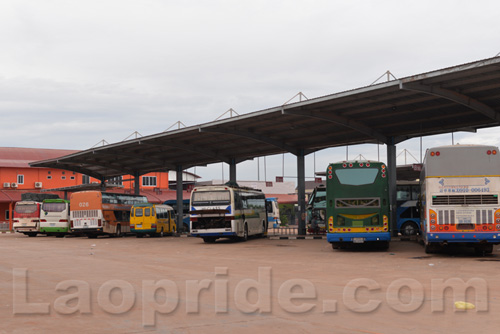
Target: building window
x,y
149,181
7,214
71,177
20,179
49,172
85,179
49,177
63,177
116,180
63,173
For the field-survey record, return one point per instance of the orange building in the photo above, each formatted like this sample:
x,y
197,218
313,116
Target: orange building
x,y
17,177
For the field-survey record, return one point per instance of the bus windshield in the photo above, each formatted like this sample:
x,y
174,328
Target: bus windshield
x,y
356,176
212,198
26,208
54,207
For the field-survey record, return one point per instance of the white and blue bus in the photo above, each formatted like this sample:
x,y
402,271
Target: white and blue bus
x,y
460,186
227,211
273,212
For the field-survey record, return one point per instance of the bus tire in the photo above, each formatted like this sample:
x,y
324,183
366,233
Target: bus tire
x,y
92,236
161,233
31,234
264,231
245,233
409,228
209,240
118,231
431,248
139,235
482,250
384,245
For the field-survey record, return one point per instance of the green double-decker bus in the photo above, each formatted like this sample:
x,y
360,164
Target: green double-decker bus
x,y
357,195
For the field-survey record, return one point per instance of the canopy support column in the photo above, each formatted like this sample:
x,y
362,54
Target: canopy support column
x,y
391,167
232,171
103,184
301,192
179,189
137,185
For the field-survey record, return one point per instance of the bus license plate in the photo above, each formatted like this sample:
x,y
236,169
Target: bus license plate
x,y
358,240
138,226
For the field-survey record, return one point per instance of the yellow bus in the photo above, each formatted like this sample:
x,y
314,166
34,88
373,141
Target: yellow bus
x,y
152,219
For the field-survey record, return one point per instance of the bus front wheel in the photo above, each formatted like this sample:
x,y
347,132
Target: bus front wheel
x,y
482,250
209,240
245,233
431,248
118,231
409,228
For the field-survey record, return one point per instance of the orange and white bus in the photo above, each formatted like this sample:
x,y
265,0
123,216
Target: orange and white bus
x,y
95,213
152,219
460,186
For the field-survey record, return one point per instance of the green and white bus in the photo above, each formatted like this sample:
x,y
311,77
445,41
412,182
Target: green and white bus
x,y
357,196
54,217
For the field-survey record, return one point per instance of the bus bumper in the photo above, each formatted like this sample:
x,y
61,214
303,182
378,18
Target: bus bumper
x,y
493,237
26,229
143,231
357,237
87,230
54,230
214,234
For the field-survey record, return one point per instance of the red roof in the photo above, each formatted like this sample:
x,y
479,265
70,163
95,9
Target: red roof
x,y
21,157
285,198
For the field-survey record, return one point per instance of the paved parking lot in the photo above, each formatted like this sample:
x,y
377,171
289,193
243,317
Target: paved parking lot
x,y
182,285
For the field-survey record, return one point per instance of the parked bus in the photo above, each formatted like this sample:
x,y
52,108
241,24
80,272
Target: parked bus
x,y
94,213
316,210
26,218
273,212
357,195
54,217
460,187
156,220
184,227
227,211
408,216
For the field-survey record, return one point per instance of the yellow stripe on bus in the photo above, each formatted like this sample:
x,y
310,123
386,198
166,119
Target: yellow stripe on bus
x,y
357,216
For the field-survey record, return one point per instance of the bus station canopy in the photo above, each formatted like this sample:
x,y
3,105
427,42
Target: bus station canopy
x,y
459,98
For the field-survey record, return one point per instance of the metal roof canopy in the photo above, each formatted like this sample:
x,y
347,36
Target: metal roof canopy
x,y
460,98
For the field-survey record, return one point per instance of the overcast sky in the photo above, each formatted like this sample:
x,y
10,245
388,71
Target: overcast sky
x,y
73,73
